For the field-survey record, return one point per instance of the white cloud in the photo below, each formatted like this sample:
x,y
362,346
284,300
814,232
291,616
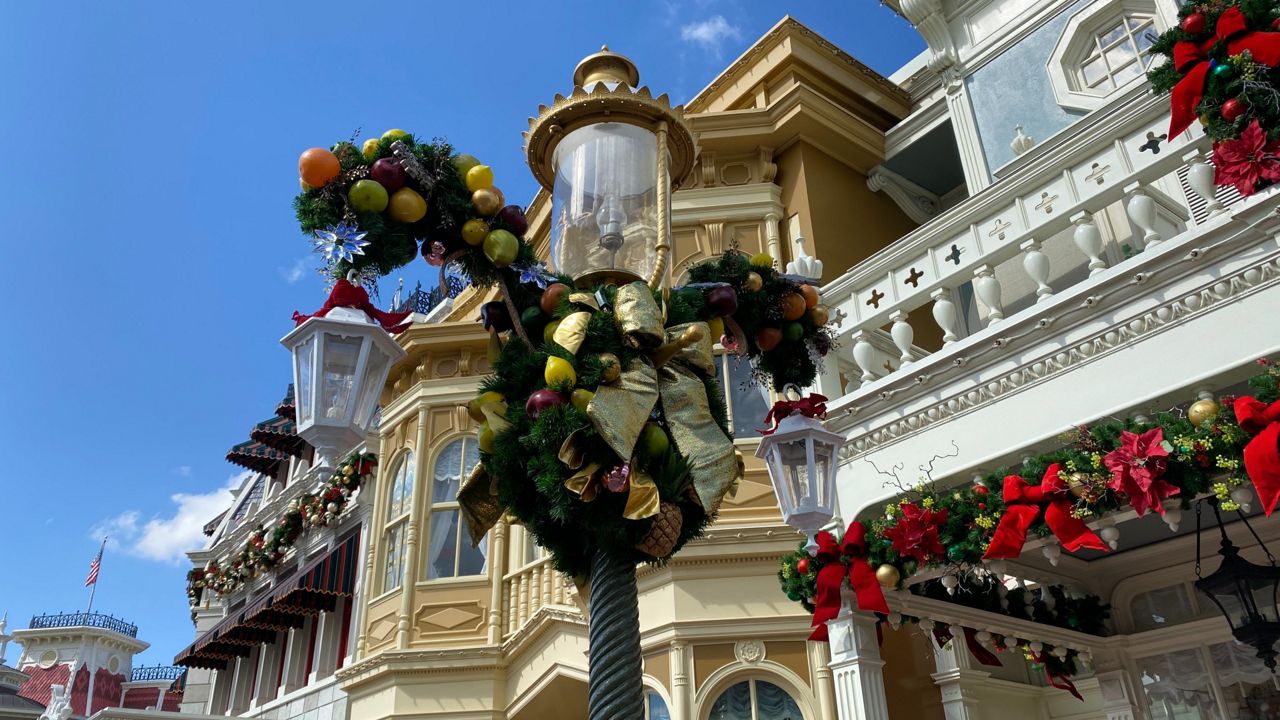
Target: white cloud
x,y
294,273
711,33
167,539
184,470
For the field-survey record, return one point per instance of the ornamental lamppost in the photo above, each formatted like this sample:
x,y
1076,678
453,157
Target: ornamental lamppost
x,y
801,456
340,362
609,153
1246,593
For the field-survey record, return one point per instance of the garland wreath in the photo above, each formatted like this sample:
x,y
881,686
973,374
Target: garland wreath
x,y
603,424
1222,69
266,547
1105,467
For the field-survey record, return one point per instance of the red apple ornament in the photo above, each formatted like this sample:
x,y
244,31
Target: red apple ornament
x,y
542,400
389,174
722,301
513,217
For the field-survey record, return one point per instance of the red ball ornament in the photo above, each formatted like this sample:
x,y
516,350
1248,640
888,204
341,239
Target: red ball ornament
x,y
542,400
722,301
768,338
982,506
1275,24
389,174
981,489
1232,109
513,217
802,566
1193,23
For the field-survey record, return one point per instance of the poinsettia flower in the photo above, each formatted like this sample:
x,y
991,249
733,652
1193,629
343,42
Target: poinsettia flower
x,y
915,535
1136,469
1247,160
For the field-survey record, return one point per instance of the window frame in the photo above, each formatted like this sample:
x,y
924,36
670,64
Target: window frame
x,y
432,508
723,359
397,524
1079,43
750,680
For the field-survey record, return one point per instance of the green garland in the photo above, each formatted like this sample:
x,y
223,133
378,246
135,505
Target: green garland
x,y
265,547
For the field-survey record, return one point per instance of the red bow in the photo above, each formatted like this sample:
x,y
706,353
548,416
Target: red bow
x,y
942,635
862,578
1262,454
814,406
1024,505
345,294
1231,29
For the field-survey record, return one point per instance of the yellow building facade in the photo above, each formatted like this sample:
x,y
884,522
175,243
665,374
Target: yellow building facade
x,y
788,136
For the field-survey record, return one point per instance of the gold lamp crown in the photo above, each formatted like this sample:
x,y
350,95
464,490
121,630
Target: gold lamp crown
x,y
606,90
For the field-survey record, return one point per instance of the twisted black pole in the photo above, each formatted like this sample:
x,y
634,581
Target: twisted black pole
x,y
614,687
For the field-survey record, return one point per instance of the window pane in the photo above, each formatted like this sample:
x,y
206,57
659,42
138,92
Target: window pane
x,y
471,560
448,477
394,568
1162,607
340,357
1093,71
376,365
444,544
1177,686
1127,73
773,703
750,399
733,704
1109,37
1246,683
1120,54
657,708
305,357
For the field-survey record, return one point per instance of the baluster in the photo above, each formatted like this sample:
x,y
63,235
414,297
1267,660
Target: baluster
x,y
547,573
522,592
1089,240
535,590
864,355
1142,211
1036,263
944,313
987,288
902,334
1200,176
513,606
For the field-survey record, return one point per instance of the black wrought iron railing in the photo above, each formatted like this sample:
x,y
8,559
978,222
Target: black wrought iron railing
x,y
424,301
94,620
158,672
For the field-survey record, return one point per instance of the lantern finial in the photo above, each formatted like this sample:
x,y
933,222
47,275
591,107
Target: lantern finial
x,y
606,67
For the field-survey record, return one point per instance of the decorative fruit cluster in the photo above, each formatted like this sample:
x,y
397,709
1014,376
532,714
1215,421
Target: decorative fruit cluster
x,y
1222,69
266,547
370,208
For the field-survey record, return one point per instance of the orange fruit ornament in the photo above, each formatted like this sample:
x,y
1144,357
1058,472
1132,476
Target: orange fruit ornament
x,y
318,167
793,306
768,338
810,294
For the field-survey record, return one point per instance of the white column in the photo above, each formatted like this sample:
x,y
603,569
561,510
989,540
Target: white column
x,y
822,685
241,682
856,667
221,692
1119,694
965,125
681,692
773,238
326,652
266,678
954,678
295,657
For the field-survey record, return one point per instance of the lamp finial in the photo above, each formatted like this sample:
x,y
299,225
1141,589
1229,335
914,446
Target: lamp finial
x,y
606,67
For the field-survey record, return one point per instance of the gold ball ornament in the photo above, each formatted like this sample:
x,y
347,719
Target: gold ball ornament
x,y
407,206
1202,411
394,134
888,576
610,367
369,148
559,373
819,314
715,326
479,177
474,231
1081,485
486,201
754,282
761,260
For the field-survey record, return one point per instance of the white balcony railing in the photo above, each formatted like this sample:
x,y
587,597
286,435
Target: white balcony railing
x,y
1116,157
531,588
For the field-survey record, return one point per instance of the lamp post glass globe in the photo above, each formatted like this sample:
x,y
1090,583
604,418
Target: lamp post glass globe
x,y
801,458
340,363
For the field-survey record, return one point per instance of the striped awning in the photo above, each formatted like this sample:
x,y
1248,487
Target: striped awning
x,y
255,456
315,588
279,433
286,406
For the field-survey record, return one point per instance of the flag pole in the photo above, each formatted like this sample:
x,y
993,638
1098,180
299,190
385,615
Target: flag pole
x,y
93,589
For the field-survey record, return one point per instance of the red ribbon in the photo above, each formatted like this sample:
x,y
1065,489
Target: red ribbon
x,y
1062,682
862,578
980,653
814,406
1024,505
346,294
1193,59
1262,454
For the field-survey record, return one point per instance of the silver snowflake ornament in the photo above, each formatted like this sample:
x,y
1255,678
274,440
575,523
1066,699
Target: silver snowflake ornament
x,y
340,242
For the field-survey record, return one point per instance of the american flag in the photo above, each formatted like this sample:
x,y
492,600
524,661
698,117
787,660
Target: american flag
x,y
94,567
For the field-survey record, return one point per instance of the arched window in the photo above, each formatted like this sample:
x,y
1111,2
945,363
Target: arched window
x,y
449,551
399,500
755,700
655,708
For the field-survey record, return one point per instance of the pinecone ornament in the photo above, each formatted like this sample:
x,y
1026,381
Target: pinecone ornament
x,y
664,533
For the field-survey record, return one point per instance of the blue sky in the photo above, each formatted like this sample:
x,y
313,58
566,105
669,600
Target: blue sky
x,y
153,260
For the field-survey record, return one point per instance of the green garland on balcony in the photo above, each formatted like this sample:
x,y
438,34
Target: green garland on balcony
x,y
267,546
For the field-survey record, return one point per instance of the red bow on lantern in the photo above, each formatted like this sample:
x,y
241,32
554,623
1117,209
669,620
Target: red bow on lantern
x,y
346,294
1024,505
814,406
1193,59
1262,454
862,578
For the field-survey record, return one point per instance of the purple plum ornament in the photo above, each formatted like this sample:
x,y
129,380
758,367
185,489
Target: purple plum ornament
x,y
389,173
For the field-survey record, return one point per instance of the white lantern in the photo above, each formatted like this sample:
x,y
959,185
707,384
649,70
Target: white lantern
x,y
801,457
340,362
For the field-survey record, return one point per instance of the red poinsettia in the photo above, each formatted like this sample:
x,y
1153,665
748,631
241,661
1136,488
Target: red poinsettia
x,y
1136,467
915,535
1246,161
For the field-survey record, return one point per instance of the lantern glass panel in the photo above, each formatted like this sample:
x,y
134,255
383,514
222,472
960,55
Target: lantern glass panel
x,y
605,200
371,388
805,472
304,359
341,358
